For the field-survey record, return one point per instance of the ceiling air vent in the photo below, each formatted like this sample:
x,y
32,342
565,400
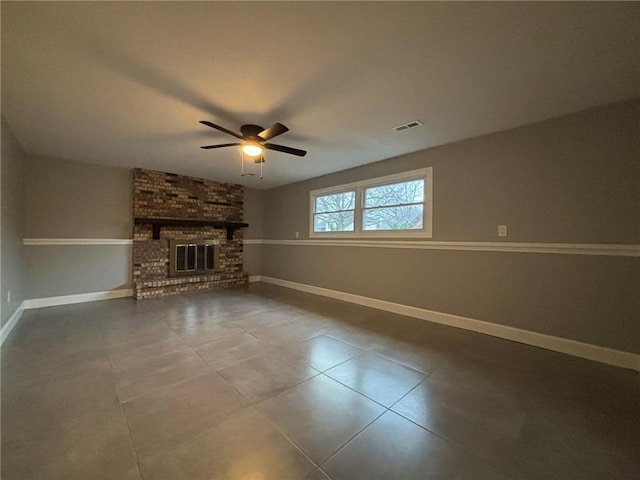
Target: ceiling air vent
x,y
408,125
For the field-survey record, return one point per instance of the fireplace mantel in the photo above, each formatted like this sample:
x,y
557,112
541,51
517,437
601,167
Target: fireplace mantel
x,y
158,223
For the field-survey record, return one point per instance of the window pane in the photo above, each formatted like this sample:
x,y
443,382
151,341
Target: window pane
x,y
200,257
336,202
333,222
407,217
210,255
181,257
191,257
394,194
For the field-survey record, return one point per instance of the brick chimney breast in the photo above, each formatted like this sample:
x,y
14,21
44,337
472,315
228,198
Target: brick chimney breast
x,y
170,196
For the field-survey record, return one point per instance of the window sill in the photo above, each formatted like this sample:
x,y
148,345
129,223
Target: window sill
x,y
375,234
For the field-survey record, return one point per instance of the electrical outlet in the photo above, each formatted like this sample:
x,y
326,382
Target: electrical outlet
x,y
502,230
297,234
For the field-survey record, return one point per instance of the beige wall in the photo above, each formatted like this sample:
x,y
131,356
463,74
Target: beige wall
x,y
12,223
66,199
573,179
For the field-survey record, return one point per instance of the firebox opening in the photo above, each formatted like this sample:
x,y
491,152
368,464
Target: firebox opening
x,y
193,257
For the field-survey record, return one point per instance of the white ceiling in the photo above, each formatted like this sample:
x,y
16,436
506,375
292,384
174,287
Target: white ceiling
x,y
125,84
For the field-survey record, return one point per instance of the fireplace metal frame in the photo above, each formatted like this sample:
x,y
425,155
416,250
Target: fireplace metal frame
x,y
173,257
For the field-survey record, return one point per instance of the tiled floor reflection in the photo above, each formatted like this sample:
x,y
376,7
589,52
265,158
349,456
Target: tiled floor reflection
x,y
271,383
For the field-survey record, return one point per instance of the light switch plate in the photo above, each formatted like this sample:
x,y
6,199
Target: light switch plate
x,y
502,230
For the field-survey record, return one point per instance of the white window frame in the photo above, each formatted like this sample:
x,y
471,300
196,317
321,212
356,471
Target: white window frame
x,y
427,224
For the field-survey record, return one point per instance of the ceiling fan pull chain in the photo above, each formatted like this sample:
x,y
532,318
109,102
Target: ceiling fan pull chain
x,y
261,164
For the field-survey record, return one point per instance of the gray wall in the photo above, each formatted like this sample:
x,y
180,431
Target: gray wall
x,y
65,199
254,213
76,200
12,223
54,270
254,216
573,179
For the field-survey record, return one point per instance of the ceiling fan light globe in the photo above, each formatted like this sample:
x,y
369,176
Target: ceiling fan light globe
x,y
252,150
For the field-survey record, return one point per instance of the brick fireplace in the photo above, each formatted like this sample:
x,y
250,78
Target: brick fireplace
x,y
193,216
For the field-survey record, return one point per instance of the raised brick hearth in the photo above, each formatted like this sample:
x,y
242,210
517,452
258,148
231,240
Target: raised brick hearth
x,y
168,196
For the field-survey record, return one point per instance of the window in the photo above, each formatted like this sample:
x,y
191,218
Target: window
x,y
393,206
335,212
398,206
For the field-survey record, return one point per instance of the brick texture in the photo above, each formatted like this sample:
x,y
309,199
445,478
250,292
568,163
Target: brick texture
x,y
166,195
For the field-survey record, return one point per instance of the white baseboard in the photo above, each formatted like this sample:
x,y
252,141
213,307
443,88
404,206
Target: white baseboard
x,y
78,298
597,353
572,347
13,320
61,300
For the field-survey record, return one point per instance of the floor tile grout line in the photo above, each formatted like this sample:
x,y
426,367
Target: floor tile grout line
x,y
281,392
133,446
348,343
404,364
317,465
408,393
356,391
254,404
387,409
280,346
168,386
348,442
340,363
449,441
197,354
124,415
295,445
397,362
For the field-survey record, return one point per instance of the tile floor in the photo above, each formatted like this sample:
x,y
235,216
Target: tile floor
x,y
271,383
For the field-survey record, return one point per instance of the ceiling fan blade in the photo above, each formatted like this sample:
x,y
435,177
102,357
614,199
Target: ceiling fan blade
x,y
282,148
222,129
208,147
273,131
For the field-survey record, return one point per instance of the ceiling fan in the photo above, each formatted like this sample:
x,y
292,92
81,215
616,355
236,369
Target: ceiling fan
x,y
253,138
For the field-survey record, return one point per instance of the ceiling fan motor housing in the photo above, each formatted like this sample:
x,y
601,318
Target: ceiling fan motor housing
x,y
251,132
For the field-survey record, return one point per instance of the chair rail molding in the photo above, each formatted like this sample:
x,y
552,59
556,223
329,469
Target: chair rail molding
x,y
612,249
77,241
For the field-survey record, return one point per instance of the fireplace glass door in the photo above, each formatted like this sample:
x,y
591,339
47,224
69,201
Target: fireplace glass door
x,y
193,257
